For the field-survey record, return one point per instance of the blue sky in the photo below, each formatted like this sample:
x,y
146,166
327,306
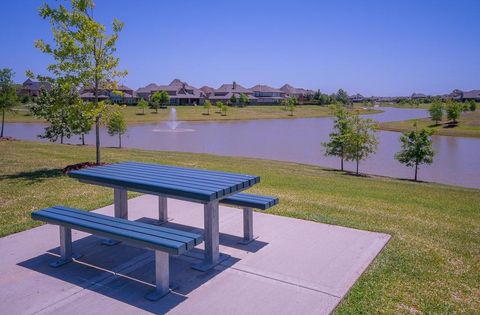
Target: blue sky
x,y
382,47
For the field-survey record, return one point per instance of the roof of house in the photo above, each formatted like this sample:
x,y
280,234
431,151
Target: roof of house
x,y
207,89
290,90
265,88
36,85
180,88
471,94
234,87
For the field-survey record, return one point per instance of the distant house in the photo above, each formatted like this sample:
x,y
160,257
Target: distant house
x,y
33,88
180,93
298,93
267,95
471,95
356,98
416,96
207,91
119,95
225,92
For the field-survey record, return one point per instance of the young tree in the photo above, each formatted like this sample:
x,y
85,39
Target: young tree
x,y
453,110
436,111
244,99
233,100
8,94
207,105
143,105
416,149
80,118
58,107
472,105
338,138
116,125
291,105
159,98
224,110
82,50
219,106
361,141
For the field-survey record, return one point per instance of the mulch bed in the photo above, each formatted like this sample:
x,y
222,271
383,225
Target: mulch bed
x,y
7,139
79,166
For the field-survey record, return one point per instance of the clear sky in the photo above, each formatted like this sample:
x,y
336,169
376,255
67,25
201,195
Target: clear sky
x,y
382,47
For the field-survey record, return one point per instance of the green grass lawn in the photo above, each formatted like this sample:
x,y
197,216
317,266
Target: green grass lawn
x,y
468,125
197,113
431,264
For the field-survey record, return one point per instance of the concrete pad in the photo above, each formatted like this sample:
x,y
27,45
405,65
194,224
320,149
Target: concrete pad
x,y
294,266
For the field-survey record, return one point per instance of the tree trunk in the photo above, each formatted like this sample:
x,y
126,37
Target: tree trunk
x,y
357,167
61,139
83,138
3,122
416,171
119,140
341,163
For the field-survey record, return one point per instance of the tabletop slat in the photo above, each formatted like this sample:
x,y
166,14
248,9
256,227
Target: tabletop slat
x,y
181,182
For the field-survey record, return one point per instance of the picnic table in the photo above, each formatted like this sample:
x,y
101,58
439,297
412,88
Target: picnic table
x,y
195,185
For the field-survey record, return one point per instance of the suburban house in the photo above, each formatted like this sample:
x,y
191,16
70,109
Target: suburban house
x,y
418,96
33,88
207,91
298,93
465,95
267,95
356,98
180,93
119,95
225,92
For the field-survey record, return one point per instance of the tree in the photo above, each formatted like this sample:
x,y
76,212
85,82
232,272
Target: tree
x,y
116,125
207,105
8,94
472,105
219,106
436,111
453,110
58,107
224,110
233,100
291,105
338,138
361,141
416,148
160,98
83,51
244,99
80,118
143,105
342,97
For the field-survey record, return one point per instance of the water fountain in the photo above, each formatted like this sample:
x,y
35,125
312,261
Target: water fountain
x,y
173,123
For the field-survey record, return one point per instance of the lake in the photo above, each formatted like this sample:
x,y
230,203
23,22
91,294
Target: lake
x,y
296,140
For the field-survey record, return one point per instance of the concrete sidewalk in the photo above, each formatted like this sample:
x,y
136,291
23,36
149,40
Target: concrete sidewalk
x,y
294,267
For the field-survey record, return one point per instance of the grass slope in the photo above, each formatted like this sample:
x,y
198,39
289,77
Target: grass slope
x,y
431,264
468,126
197,113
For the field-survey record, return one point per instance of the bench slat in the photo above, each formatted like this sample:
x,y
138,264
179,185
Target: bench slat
x,y
196,237
52,215
190,242
251,201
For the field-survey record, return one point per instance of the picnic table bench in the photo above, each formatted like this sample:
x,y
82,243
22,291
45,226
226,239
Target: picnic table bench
x,y
163,241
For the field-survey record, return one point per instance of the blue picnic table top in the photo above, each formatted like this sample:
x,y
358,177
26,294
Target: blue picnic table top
x,y
181,182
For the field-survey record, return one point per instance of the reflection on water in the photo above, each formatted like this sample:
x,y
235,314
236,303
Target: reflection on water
x,y
296,140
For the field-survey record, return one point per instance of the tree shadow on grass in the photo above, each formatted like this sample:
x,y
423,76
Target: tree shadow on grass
x,y
35,176
451,125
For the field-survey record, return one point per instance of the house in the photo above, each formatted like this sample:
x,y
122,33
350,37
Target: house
x,y
465,95
225,92
418,96
356,98
118,95
180,93
207,91
33,88
298,93
267,95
